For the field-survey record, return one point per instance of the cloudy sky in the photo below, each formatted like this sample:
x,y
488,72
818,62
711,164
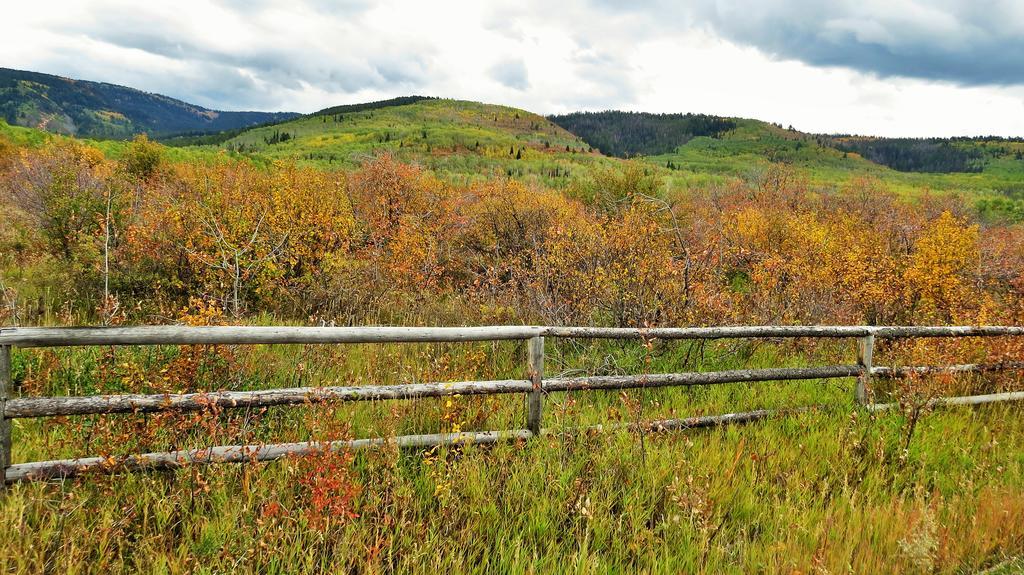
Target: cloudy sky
x,y
886,67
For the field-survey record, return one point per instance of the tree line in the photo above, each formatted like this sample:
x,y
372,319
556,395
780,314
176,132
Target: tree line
x,y
628,134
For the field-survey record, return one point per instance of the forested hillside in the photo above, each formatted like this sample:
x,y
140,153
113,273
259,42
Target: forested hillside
x,y
939,155
362,107
628,134
99,110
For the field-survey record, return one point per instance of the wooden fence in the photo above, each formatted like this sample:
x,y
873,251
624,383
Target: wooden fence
x,y
533,386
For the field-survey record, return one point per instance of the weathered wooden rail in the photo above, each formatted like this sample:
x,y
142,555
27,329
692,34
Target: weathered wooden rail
x,y
533,386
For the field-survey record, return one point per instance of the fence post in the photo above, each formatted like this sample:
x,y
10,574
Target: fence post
x,y
5,424
535,371
865,349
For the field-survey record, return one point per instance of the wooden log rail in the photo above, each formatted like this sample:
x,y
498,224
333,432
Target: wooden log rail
x,y
247,335
533,387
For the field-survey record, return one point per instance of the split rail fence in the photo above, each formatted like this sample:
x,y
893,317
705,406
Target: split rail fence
x,y
533,386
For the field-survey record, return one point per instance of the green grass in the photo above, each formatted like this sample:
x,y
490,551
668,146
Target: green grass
x,y
832,489
23,137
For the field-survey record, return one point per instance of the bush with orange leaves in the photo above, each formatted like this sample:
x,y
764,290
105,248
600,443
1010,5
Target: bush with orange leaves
x,y
642,275
62,198
828,258
242,234
505,225
7,151
403,221
390,241
940,270
619,269
62,189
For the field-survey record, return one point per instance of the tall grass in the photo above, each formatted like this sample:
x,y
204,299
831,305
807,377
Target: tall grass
x,y
831,490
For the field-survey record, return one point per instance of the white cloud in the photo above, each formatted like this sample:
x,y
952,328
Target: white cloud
x,y
725,57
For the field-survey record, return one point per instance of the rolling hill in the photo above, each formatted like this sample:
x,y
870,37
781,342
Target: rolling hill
x,y
107,111
631,134
453,137
470,139
463,140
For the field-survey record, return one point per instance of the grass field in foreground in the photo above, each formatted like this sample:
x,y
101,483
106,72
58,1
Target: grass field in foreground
x,y
832,490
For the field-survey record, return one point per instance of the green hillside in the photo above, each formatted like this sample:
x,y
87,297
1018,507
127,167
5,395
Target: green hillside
x,y
754,145
99,110
451,137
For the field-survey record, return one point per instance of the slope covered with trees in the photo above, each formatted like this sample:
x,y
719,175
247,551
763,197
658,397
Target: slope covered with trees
x,y
938,155
628,134
100,110
362,107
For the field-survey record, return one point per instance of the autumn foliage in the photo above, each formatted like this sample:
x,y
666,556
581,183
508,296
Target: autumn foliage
x,y
389,240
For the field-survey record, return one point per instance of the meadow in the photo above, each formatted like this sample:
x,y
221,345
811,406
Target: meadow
x,y
389,233
832,489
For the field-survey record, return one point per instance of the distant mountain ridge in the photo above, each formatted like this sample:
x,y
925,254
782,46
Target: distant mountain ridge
x,y
451,134
108,111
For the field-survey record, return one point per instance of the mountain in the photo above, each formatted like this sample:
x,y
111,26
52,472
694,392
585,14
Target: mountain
x,y
107,111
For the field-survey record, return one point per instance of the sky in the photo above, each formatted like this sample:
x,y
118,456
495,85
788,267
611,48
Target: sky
x,y
881,67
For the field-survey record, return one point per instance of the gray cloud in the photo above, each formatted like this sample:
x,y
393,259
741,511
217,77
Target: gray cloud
x,y
286,66
966,42
512,73
231,89
256,71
